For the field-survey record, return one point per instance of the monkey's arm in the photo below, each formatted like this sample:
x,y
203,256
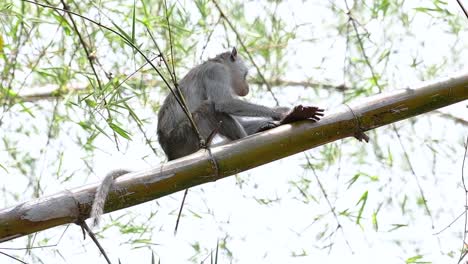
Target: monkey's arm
x,y
219,90
238,107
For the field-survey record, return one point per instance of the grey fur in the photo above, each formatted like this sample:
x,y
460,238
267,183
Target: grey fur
x,y
101,194
212,91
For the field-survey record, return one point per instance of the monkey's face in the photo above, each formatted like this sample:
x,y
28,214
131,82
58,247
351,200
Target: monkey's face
x,y
239,77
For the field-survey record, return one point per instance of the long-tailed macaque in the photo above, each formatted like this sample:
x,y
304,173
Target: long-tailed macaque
x,y
211,91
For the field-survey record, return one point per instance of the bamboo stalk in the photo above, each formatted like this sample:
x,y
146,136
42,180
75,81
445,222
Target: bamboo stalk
x,y
234,157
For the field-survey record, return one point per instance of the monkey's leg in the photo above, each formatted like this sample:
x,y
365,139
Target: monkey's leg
x,y
230,127
209,120
252,126
205,118
180,142
183,140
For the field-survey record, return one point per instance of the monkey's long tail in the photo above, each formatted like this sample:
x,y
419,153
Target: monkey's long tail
x,y
102,192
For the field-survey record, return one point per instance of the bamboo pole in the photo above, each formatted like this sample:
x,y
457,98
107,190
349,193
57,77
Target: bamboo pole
x,y
237,156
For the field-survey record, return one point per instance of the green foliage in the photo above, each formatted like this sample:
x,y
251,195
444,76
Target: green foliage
x,y
105,97
362,201
416,259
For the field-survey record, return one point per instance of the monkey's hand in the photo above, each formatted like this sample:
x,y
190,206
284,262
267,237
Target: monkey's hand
x,y
302,113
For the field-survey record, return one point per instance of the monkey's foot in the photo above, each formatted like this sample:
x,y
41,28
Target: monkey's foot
x,y
301,112
268,125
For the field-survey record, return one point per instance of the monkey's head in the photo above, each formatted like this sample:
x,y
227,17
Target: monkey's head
x,y
238,73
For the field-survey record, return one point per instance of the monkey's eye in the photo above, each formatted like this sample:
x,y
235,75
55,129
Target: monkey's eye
x,y
245,75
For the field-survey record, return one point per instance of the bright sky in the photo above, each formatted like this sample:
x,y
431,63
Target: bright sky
x,y
287,230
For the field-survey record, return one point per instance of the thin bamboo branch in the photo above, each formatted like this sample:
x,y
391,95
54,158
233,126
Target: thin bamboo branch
x,y
234,157
50,92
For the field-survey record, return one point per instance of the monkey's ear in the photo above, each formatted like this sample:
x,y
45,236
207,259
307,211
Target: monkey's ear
x,y
234,54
